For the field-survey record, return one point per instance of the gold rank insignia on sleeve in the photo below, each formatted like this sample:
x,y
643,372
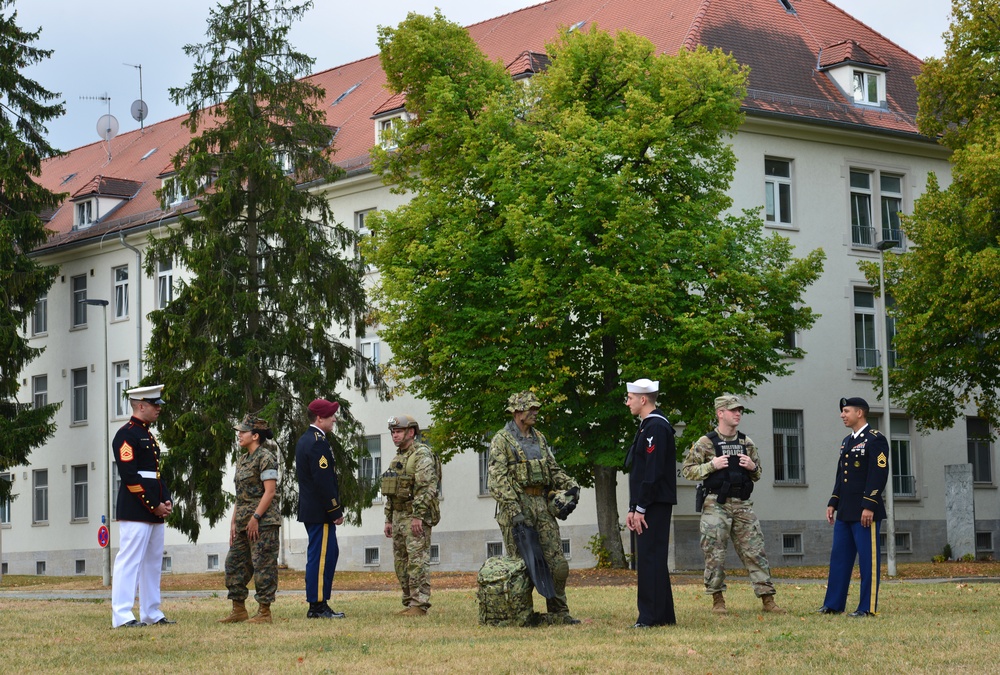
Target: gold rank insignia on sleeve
x,y
874,493
127,453
323,463
883,461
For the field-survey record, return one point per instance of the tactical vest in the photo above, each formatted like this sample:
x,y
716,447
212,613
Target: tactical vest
x,y
528,472
734,481
398,480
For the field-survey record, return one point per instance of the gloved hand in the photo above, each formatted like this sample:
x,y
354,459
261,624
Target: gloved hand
x,y
574,492
517,520
564,503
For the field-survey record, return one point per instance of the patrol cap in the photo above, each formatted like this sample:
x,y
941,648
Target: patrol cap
x,y
151,394
521,401
642,386
403,422
323,408
728,402
855,402
251,422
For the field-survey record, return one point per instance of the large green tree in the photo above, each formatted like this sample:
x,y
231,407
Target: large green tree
x,y
567,235
25,107
267,272
946,304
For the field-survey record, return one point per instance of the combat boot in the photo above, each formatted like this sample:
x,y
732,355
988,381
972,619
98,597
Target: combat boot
x,y
238,614
263,614
718,603
770,606
414,611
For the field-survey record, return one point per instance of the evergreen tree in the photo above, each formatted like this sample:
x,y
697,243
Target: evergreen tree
x,y
25,107
568,235
267,270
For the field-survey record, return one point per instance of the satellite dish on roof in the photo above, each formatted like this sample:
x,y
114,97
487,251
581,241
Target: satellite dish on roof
x,y
139,110
107,127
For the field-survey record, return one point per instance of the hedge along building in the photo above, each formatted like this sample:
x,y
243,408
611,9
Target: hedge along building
x,y
829,152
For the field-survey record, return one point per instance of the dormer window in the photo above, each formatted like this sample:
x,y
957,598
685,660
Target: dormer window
x,y
284,162
387,132
866,87
173,192
84,213
860,74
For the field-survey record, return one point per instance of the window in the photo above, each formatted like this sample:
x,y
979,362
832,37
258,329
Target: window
x,y
862,232
40,391
494,548
79,492
40,316
84,213
789,341
173,192
164,283
980,445
40,493
386,132
866,87
435,554
284,162
371,465
40,568
78,289
891,197
789,452
5,503
371,556
904,542
567,549
121,407
361,227
81,566
791,544
778,191
369,349
866,352
984,542
213,562
904,483
166,565
484,472
79,410
121,292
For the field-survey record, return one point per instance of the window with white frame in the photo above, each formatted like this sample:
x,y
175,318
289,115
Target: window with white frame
x,y
173,192
789,450
121,406
213,562
866,87
40,496
5,503
40,316
121,291
484,472
869,187
369,348
361,227
79,395
904,482
777,191
84,213
78,293
370,468
891,199
79,476
387,132
862,232
866,351
166,565
980,446
40,391
164,283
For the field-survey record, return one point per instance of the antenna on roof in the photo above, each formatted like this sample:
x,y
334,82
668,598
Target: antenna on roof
x,y
139,108
107,125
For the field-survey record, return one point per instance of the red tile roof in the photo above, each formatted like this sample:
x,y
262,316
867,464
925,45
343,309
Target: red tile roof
x,y
781,48
105,186
848,51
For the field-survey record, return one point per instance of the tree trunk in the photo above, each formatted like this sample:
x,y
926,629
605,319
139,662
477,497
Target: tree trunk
x,y
605,488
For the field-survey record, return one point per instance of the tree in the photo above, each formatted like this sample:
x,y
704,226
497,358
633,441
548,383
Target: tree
x,y
25,107
269,271
567,235
947,311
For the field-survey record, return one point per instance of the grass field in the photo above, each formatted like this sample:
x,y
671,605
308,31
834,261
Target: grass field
x,y
922,628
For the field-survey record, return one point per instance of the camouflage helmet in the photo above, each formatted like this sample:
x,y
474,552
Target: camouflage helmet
x,y
521,401
403,422
251,422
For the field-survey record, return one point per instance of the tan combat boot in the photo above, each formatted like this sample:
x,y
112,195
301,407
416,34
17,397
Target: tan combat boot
x,y
414,611
238,614
770,606
263,614
718,603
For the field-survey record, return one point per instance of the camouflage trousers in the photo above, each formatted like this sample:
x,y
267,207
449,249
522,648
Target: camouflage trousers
x,y
412,558
733,520
536,514
257,560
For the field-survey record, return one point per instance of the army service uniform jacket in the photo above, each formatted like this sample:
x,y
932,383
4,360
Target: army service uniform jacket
x,y
652,462
319,492
137,455
862,472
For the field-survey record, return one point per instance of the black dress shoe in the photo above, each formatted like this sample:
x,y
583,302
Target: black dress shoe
x,y
132,624
164,621
324,613
826,610
857,614
641,625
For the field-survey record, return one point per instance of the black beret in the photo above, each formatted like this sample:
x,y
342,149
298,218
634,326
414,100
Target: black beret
x,y
855,402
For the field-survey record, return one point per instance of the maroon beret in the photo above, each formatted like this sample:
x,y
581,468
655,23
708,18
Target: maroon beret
x,y
323,408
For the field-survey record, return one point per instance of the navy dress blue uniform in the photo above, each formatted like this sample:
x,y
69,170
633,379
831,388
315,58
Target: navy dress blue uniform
x,y
652,485
319,508
862,473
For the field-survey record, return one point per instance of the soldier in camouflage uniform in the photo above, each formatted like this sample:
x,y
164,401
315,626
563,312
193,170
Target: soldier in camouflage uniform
x,y
410,486
522,473
726,460
253,532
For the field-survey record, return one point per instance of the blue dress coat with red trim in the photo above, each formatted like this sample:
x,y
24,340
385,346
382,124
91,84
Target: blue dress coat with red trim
x,y
136,450
862,472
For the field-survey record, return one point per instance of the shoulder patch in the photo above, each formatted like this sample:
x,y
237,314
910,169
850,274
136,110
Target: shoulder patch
x,y
127,453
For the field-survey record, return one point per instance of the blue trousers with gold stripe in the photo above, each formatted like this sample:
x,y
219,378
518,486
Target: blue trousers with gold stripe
x,y
321,560
854,541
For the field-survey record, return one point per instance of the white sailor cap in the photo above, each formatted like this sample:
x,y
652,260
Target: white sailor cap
x,y
151,394
643,386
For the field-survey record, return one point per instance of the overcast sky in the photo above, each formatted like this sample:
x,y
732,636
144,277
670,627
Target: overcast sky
x,y
92,42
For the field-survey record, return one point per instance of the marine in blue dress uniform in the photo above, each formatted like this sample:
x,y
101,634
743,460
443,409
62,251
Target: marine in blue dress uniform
x,y
862,473
319,506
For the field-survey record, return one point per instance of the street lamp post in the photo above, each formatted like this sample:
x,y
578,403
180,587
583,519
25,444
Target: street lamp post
x,y
106,517
890,520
